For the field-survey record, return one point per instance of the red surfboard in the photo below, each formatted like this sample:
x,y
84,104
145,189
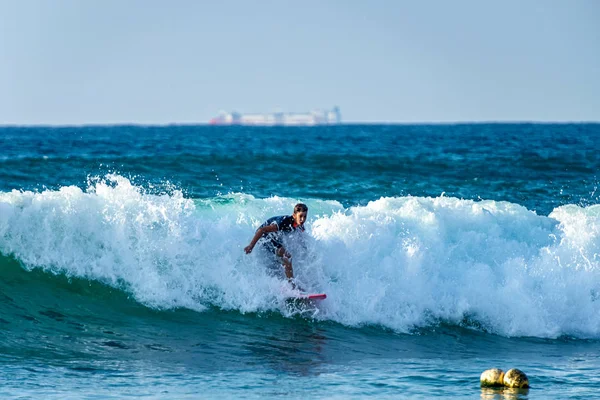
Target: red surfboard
x,y
311,296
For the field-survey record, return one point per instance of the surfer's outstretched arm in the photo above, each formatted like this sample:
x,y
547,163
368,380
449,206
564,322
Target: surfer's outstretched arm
x,y
258,235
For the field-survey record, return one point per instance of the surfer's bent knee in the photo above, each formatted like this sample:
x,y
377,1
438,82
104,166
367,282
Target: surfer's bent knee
x,y
281,252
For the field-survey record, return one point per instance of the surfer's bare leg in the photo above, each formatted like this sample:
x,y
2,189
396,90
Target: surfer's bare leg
x,y
286,260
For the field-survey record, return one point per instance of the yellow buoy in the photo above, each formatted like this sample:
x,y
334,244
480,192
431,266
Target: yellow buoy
x,y
515,378
492,378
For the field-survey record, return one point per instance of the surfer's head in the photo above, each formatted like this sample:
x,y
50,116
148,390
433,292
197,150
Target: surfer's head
x,y
300,213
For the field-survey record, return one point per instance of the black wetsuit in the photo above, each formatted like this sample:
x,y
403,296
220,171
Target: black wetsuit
x,y
285,225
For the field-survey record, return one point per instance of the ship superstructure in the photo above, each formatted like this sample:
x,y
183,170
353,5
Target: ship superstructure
x,y
315,117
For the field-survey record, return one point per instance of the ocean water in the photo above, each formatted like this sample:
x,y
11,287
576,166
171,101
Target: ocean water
x,y
445,250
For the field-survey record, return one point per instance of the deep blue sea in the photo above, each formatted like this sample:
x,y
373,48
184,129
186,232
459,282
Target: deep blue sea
x,y
445,250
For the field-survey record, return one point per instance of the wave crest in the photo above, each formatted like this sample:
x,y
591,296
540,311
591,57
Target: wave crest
x,y
403,262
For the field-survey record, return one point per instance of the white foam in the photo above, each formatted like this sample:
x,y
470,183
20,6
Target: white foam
x,y
399,262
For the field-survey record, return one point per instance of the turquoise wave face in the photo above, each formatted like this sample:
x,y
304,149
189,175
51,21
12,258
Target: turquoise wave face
x,y
402,263
540,166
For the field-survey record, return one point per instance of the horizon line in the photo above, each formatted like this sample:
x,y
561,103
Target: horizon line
x,y
349,123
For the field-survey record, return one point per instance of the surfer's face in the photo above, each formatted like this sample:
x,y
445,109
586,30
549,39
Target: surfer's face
x,y
300,217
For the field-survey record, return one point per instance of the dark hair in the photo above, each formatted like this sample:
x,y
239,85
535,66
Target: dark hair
x,y
300,207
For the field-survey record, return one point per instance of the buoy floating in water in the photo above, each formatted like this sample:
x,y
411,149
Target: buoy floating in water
x,y
513,378
492,378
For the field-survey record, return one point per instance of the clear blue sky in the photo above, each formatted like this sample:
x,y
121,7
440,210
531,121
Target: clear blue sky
x,y
149,61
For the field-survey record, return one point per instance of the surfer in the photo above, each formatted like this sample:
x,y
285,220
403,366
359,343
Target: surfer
x,y
271,234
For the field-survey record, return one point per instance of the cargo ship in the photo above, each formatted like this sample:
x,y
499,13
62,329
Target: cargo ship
x,y
313,118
